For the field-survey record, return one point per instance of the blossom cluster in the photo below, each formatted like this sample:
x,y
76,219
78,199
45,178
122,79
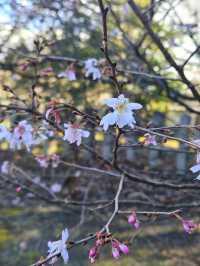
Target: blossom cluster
x,y
91,69
45,161
118,248
22,134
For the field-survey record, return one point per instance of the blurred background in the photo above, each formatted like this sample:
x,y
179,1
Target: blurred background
x,y
70,32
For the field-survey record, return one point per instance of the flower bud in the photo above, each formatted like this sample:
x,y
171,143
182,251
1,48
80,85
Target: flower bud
x,y
124,248
132,220
115,253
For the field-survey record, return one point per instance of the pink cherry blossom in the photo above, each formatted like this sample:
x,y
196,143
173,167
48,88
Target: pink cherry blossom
x,y
22,135
150,139
74,134
46,160
189,226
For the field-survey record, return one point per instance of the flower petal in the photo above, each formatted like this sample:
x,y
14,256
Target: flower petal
x,y
134,106
195,168
65,255
85,133
112,102
108,120
124,119
65,235
198,177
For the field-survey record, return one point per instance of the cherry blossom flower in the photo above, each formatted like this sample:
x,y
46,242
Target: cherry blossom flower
x,y
60,246
69,73
73,133
44,161
92,69
93,253
122,114
150,139
56,188
5,167
189,226
22,134
133,220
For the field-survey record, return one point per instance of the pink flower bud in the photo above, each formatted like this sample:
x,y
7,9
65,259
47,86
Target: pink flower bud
x,y
189,226
124,248
93,254
132,220
115,253
18,189
99,242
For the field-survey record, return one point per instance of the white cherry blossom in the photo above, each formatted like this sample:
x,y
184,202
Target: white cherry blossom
x,y
5,167
56,187
92,69
68,74
196,167
122,114
4,133
74,134
60,247
22,134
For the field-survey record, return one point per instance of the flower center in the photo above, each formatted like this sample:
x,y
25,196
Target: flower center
x,y
20,130
121,107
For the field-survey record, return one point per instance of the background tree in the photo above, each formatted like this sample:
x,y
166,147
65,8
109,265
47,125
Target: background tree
x,y
145,50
